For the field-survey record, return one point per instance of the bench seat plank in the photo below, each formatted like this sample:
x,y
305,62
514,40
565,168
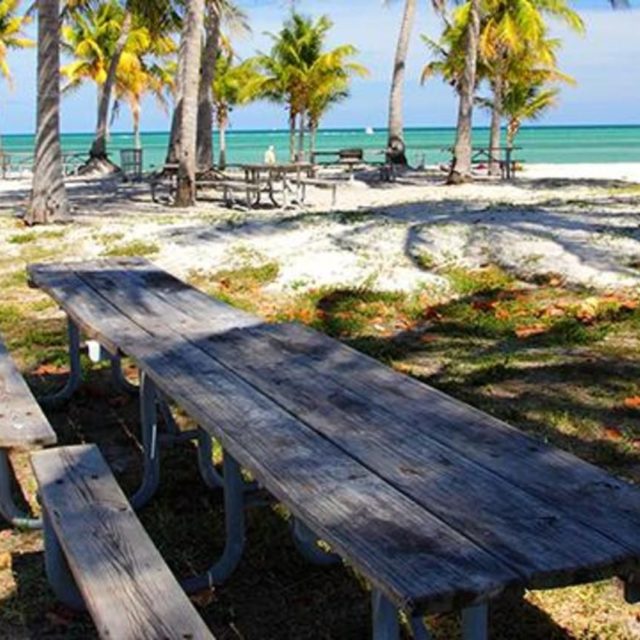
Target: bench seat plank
x,y
126,585
545,545
416,559
23,425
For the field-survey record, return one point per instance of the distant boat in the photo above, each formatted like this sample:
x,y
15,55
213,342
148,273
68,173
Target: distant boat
x,y
369,131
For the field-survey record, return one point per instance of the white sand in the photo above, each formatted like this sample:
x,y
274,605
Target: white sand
x,y
574,220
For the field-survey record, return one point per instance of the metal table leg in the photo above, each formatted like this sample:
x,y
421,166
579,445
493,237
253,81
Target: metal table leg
x,y
149,425
385,617
210,475
306,543
57,570
118,378
235,531
475,622
8,508
75,372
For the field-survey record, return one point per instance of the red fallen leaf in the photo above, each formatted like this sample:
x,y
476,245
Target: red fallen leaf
x,y
532,330
47,369
553,312
429,337
612,433
502,314
632,402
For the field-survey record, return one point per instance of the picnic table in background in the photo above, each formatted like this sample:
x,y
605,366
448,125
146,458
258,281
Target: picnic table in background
x,y
440,506
503,156
274,179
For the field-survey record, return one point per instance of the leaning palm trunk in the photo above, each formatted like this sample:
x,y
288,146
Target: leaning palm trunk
x,y
48,197
301,134
189,71
205,96
461,166
495,137
396,143
292,135
98,160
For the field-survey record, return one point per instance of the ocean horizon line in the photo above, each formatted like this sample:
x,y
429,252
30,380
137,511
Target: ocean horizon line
x,y
359,128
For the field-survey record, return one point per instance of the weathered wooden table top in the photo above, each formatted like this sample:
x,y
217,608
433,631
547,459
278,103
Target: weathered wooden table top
x,y
437,503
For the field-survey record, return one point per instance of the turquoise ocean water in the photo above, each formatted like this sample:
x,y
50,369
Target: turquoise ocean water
x,y
562,145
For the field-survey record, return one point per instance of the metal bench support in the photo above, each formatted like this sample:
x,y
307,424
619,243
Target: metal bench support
x,y
306,543
234,492
475,622
149,426
210,475
386,625
75,372
8,508
57,570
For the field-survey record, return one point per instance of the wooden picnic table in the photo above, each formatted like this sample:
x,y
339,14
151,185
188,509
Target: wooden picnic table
x,y
440,506
275,178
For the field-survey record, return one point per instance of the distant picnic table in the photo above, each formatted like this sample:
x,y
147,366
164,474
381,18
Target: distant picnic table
x,y
274,179
440,506
503,156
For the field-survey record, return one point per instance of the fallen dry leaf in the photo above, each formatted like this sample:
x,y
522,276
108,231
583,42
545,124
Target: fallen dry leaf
x,y
632,402
203,598
532,330
612,433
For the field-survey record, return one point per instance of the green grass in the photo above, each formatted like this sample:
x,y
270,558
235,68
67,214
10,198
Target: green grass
x,y
132,249
23,238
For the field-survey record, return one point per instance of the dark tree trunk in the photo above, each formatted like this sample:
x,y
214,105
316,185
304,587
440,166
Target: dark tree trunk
x,y
461,166
189,71
395,145
301,134
48,197
495,138
205,97
292,136
98,159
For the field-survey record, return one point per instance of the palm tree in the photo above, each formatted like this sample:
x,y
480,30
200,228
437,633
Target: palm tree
x,y
395,144
298,66
524,101
462,154
233,85
189,60
48,195
11,33
510,31
158,17
136,79
296,47
220,13
11,36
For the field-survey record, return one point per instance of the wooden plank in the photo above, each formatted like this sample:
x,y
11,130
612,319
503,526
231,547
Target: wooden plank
x,y
583,491
23,425
534,537
412,556
127,587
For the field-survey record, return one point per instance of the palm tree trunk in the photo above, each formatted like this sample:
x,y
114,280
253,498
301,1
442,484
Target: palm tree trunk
x,y
135,115
292,136
48,196
222,129
190,57
461,166
99,146
301,132
313,136
205,97
495,137
395,144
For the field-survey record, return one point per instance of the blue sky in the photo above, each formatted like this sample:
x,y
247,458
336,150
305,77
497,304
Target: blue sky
x,y
605,62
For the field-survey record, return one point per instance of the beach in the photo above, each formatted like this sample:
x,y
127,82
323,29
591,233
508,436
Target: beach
x,y
580,221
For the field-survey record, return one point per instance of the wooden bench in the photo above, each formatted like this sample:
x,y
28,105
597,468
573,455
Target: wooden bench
x,y
231,187
318,183
23,427
98,555
440,506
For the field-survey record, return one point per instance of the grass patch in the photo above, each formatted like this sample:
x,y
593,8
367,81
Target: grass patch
x,y
23,238
467,282
133,249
